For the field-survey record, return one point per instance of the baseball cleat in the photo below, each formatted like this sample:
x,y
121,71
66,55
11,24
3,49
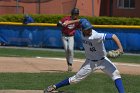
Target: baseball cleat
x,y
50,89
69,68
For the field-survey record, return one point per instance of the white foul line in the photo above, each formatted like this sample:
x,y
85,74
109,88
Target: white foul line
x,y
82,61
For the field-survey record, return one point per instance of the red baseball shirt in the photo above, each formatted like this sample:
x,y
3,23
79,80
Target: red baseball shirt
x,y
70,29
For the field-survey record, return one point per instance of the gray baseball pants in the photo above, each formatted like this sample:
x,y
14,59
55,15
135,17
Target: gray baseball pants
x,y
68,42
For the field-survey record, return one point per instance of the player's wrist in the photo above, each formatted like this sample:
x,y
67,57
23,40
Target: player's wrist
x,y
120,50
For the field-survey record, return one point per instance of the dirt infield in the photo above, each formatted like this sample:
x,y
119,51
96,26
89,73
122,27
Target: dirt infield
x,y
43,64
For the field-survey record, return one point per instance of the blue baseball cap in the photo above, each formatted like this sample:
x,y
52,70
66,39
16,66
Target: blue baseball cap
x,y
85,24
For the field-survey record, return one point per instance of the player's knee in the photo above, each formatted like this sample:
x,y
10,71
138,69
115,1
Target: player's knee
x,y
70,50
116,75
74,79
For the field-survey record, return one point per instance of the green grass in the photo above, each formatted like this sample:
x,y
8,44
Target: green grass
x,y
97,82
9,52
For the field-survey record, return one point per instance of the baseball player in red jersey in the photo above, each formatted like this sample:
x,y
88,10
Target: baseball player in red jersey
x,y
95,58
68,35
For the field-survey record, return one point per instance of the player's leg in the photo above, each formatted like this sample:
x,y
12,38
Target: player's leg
x,y
112,71
70,52
84,71
65,43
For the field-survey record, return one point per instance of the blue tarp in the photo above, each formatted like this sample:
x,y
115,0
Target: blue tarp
x,y
41,36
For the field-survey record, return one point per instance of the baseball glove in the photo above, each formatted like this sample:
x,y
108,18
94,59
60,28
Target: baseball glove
x,y
113,54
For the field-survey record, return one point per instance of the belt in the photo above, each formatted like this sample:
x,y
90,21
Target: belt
x,y
67,35
97,60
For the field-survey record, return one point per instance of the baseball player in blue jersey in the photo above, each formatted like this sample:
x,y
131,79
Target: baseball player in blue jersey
x,y
27,19
95,58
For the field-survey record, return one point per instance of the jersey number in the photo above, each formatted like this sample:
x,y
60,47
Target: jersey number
x,y
92,49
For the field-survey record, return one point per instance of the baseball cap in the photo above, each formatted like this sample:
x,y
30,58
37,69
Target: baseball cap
x,y
74,11
85,24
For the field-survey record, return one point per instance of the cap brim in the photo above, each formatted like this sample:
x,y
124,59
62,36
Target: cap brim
x,y
88,28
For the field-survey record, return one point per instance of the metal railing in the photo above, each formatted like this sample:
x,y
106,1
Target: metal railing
x,y
11,9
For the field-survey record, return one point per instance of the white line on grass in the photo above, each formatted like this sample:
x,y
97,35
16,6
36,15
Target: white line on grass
x,y
82,61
